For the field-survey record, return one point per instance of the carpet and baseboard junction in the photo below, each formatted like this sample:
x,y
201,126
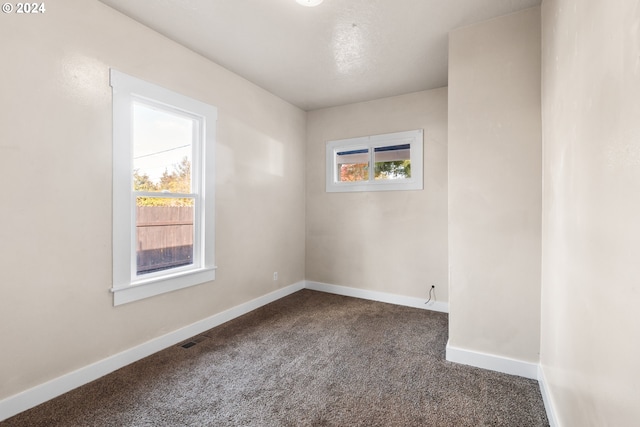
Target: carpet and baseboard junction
x,y
297,358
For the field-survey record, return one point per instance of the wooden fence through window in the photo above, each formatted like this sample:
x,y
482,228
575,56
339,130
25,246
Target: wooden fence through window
x,y
164,237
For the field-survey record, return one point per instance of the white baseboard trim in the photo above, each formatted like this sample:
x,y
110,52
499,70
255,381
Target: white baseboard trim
x,y
27,399
378,296
547,399
492,362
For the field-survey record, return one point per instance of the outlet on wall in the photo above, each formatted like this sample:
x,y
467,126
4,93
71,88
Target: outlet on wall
x,y
275,275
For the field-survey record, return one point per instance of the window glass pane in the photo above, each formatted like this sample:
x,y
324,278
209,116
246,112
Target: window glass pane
x,y
162,150
352,165
393,162
164,233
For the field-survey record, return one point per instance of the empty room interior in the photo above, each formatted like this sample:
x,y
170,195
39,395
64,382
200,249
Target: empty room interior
x,y
473,160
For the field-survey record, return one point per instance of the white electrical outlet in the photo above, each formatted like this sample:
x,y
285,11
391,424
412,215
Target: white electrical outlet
x,y
275,275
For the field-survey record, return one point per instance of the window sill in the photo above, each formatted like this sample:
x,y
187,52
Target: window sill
x,y
383,185
160,285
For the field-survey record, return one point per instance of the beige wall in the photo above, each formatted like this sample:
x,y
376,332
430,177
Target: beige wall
x,y
590,345
388,241
56,311
494,186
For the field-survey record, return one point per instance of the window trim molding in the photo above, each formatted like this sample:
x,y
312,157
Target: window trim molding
x,y
413,137
126,90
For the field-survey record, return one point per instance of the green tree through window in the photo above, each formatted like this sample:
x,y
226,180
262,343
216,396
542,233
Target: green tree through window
x,y
176,181
396,169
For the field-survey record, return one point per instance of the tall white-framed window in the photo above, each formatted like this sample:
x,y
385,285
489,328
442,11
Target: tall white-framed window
x,y
163,190
387,162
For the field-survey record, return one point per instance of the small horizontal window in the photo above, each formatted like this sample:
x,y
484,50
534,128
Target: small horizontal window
x,y
386,162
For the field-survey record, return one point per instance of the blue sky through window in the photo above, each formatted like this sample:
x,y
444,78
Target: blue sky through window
x,y
161,140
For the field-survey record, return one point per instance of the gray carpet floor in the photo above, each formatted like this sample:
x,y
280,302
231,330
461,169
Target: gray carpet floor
x,y
310,359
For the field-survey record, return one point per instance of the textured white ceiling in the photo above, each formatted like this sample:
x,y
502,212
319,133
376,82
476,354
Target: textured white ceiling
x,y
339,52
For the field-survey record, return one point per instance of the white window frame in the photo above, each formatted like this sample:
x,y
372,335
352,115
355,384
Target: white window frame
x,y
413,137
128,287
